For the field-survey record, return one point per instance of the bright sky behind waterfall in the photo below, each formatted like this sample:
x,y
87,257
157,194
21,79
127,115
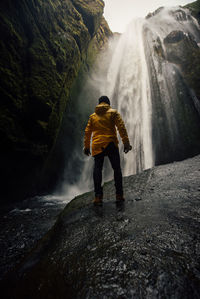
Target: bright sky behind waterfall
x,y
119,13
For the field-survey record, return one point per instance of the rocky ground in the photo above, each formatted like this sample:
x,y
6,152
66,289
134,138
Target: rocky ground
x,y
22,224
148,247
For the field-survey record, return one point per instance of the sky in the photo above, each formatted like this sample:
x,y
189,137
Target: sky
x,y
119,13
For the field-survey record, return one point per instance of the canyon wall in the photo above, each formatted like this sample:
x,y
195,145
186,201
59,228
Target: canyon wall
x,y
44,45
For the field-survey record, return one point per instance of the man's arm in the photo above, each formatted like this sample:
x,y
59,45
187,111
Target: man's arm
x,y
88,133
122,132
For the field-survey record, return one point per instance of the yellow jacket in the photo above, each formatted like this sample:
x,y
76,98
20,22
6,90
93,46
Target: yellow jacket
x,y
102,126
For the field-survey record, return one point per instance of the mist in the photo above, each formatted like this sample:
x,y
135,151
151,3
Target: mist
x,y
124,73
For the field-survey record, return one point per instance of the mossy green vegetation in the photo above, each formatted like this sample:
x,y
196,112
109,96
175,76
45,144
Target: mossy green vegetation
x,y
195,9
92,12
44,45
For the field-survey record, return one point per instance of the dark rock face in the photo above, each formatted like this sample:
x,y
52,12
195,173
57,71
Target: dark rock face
x,y
192,65
182,49
177,36
179,45
173,63
194,7
91,12
43,46
146,248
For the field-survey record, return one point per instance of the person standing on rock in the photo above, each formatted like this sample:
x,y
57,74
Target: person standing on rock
x,y
102,127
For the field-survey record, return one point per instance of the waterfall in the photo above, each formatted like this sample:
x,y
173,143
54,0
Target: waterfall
x,y
127,85
122,75
147,90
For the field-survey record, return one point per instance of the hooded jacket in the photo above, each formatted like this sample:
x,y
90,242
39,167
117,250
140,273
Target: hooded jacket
x,y
102,126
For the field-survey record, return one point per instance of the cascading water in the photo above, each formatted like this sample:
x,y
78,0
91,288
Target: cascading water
x,y
127,85
147,90
126,82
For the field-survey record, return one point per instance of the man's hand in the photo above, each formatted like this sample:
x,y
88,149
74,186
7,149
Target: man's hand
x,y
127,147
87,151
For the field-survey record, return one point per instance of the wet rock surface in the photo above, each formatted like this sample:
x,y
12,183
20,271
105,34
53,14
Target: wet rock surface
x,y
21,226
179,45
172,58
148,247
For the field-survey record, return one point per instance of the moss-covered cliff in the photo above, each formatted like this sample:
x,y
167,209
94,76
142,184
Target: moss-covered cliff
x,y
194,7
43,46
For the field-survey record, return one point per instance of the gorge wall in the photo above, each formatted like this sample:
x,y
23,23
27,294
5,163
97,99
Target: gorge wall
x,y
173,56
44,46
48,90
151,75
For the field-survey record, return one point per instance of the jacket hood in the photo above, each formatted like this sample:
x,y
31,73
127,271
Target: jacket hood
x,y
102,108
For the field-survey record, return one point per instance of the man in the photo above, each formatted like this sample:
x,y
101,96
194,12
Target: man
x,y
102,126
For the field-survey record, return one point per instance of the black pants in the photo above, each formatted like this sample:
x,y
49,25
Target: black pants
x,y
113,154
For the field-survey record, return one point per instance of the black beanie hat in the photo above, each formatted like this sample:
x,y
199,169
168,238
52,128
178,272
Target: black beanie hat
x,y
104,99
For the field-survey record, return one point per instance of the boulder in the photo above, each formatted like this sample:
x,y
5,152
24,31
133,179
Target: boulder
x,y
147,247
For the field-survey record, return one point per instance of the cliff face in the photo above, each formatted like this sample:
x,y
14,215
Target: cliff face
x,y
194,7
191,66
173,61
43,46
183,50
